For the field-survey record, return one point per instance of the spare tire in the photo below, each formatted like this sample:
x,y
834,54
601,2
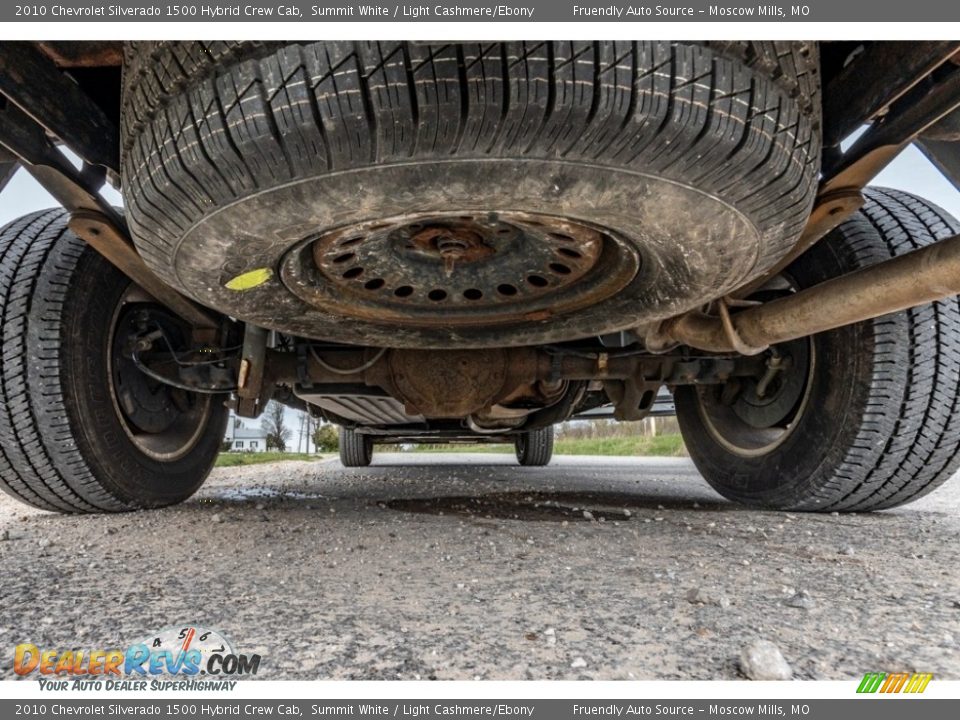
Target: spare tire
x,y
469,194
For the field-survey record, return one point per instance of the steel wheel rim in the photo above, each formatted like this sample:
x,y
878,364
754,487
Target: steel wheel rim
x,y
460,268
180,437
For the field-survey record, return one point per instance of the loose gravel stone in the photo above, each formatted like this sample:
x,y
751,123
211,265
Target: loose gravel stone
x,y
425,569
708,596
801,600
762,660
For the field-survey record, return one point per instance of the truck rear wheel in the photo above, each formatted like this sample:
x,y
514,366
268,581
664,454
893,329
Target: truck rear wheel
x,y
356,449
81,429
865,417
534,448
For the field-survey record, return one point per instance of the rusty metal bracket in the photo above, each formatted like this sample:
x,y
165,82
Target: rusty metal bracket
x,y
874,80
7,170
840,193
632,398
112,242
30,79
252,386
918,110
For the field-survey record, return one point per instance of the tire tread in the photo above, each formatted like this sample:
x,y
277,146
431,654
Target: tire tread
x,y
914,412
207,123
356,449
40,464
535,449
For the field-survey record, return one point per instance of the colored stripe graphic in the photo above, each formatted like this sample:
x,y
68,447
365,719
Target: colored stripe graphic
x,y
900,683
918,683
890,683
894,683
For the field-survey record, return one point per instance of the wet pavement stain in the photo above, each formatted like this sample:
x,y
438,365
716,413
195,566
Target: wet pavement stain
x,y
538,507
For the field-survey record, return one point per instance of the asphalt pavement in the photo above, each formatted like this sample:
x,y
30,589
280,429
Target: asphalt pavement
x,y
460,566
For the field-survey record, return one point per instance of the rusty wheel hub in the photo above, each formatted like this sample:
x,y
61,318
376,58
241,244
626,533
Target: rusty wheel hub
x,y
460,268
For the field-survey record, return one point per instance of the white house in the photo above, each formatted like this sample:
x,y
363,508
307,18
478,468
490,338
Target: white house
x,y
244,439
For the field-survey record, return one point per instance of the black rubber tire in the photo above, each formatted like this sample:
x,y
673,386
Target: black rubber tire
x,y
356,449
882,422
228,149
63,446
535,448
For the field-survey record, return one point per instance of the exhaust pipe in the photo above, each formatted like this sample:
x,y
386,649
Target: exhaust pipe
x,y
922,276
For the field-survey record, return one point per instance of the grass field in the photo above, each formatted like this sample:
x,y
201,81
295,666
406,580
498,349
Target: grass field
x,y
670,445
659,446
235,459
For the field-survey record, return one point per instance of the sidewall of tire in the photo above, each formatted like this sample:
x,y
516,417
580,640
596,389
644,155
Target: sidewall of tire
x,y
66,448
135,478
791,475
805,471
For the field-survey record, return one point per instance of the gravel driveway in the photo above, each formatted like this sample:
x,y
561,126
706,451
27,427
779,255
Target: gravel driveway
x,y
469,567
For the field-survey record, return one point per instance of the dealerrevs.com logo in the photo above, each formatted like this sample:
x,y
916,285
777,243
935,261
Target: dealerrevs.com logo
x,y
184,652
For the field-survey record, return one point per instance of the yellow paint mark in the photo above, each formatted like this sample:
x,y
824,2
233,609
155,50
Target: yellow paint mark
x,y
250,280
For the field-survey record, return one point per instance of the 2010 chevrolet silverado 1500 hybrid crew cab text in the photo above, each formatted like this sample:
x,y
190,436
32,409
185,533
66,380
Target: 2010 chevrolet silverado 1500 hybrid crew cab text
x,y
472,242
